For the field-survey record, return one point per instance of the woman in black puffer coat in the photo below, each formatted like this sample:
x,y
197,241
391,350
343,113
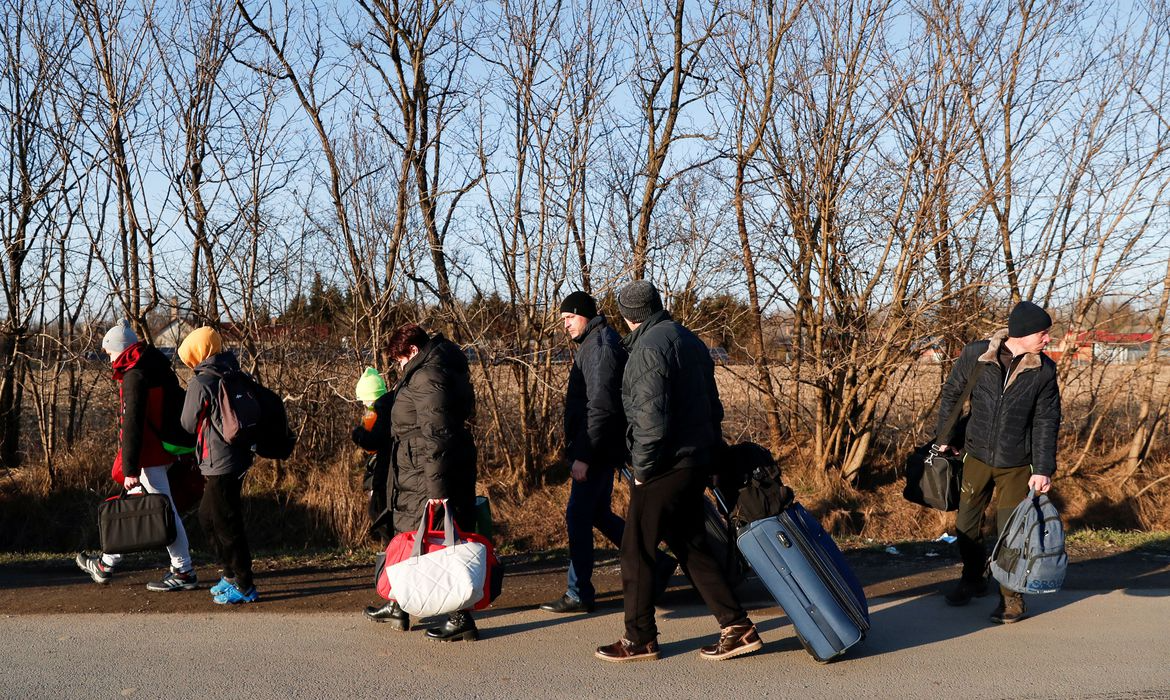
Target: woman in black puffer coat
x,y
433,451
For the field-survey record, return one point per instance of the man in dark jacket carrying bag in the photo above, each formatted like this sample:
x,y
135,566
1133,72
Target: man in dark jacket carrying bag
x,y
595,428
1010,439
674,414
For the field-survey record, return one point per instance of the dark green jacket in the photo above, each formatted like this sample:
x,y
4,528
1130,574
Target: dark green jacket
x,y
670,398
434,452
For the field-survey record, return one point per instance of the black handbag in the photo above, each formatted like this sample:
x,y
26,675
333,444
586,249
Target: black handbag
x,y
933,479
136,522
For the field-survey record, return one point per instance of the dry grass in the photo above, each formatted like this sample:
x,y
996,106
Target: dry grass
x,y
315,499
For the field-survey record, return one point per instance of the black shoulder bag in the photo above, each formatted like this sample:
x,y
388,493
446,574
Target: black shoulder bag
x,y
933,479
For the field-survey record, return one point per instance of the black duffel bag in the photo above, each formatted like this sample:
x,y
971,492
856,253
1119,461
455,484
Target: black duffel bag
x,y
136,522
932,478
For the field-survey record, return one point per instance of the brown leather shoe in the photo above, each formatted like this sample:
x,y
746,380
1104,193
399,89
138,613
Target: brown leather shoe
x,y
1010,609
734,640
624,650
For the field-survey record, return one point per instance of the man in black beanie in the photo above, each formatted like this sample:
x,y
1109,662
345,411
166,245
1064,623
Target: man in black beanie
x,y
674,415
595,428
1010,439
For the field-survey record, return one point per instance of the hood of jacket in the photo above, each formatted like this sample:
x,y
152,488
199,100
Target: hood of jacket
x,y
140,355
219,364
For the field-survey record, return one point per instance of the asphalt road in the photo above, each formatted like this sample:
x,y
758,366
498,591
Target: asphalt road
x,y
1078,644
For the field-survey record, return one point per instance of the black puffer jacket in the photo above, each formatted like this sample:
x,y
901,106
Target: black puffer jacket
x,y
1014,420
379,440
595,423
670,398
434,453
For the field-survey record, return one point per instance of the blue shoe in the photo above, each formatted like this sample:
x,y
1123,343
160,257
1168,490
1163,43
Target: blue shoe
x,y
234,595
221,587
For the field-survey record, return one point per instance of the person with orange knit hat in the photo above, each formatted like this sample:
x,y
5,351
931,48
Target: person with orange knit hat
x,y
224,465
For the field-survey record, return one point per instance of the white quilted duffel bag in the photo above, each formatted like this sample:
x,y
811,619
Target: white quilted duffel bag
x,y
443,580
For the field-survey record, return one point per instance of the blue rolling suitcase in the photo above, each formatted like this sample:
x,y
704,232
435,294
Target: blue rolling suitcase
x,y
806,574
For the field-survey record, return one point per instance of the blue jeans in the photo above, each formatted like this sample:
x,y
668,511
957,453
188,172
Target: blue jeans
x,y
589,507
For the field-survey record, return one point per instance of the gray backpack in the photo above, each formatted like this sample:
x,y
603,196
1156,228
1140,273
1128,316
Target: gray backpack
x,y
1029,556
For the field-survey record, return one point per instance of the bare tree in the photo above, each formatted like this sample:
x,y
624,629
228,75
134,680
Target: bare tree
x,y
193,45
418,53
670,72
751,48
114,76
33,50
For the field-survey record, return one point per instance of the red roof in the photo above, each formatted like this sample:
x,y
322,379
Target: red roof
x,y
1114,338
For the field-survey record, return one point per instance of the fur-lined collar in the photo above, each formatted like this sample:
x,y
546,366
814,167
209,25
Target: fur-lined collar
x,y
1028,362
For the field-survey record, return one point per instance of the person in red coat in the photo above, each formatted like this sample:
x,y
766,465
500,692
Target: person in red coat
x,y
146,381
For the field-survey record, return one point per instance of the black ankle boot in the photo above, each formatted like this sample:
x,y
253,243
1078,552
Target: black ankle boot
x,y
390,613
459,625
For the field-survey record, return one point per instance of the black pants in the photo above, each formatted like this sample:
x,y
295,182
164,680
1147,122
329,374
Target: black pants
x,y
222,518
670,508
1010,486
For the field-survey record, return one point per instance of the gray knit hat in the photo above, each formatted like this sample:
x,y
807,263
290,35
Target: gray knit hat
x,y
638,301
118,338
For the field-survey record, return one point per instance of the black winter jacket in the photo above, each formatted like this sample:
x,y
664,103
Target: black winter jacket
x,y
670,398
201,415
595,423
434,452
1014,420
379,440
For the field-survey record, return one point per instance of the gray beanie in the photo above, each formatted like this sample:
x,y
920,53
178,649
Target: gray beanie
x,y
638,301
118,338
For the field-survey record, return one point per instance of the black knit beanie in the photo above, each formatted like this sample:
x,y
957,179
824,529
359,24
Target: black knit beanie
x,y
579,303
638,301
1027,318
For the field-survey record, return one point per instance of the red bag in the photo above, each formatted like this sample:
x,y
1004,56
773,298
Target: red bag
x,y
401,548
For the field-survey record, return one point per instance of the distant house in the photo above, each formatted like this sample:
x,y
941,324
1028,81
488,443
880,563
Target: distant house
x,y
1106,346
172,334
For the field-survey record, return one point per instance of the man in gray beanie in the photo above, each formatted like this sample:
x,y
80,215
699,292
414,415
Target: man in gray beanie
x,y
1010,439
673,412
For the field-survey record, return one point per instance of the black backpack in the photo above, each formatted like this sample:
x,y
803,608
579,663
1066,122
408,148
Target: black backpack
x,y
276,439
253,415
174,438
749,482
